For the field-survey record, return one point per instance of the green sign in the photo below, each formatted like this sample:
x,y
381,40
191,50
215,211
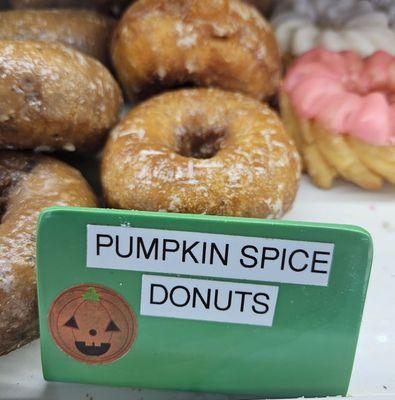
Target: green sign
x,y
201,303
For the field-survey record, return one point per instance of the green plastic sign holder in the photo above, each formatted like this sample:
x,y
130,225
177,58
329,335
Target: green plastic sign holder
x,y
200,303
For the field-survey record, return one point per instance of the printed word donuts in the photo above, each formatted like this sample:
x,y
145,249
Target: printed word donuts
x,y
201,151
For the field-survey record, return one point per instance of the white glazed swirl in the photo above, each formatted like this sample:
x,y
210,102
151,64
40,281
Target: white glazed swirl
x,y
364,26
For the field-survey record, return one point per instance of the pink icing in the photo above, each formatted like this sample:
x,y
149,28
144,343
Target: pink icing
x,y
346,93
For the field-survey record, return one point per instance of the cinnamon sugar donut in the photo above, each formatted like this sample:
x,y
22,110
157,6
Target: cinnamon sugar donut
x,y
201,151
54,98
28,183
86,31
169,43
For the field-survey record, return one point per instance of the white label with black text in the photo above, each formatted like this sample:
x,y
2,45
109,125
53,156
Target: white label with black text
x,y
207,254
208,300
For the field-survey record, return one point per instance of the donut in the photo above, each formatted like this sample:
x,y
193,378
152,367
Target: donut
x,y
28,183
171,43
340,109
362,26
54,98
113,7
86,31
201,151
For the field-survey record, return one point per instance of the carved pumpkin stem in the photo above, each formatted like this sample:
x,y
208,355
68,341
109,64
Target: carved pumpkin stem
x,y
91,294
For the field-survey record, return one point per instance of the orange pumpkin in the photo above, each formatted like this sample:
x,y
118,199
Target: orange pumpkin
x,y
92,324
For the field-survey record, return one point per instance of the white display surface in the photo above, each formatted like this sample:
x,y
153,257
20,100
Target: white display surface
x,y
374,369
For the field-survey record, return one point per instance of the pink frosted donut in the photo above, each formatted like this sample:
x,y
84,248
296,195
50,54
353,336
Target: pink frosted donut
x,y
346,93
340,109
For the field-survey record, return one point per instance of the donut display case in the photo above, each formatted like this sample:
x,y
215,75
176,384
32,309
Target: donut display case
x,y
197,199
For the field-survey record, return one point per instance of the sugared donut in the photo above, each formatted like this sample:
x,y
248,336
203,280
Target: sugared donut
x,y
340,109
86,31
201,151
28,183
171,43
54,98
363,26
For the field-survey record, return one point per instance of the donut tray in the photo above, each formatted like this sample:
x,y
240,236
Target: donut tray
x,y
373,373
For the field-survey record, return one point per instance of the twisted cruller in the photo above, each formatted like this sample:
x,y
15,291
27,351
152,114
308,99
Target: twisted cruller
x,y
359,25
340,109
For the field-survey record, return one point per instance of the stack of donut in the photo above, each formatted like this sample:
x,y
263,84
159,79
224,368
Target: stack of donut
x,y
216,148
54,96
204,150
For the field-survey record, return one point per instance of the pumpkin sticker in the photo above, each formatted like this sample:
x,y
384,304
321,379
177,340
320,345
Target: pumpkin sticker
x,y
92,324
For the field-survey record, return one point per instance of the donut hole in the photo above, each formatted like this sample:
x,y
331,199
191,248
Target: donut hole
x,y
199,142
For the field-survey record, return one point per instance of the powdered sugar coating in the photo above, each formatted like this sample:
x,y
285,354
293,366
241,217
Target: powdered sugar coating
x,y
255,171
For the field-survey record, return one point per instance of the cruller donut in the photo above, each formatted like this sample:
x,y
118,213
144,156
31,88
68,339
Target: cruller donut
x,y
201,151
28,183
362,26
53,97
340,109
171,43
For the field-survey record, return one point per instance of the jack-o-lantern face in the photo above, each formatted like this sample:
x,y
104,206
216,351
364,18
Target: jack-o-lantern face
x,y
92,324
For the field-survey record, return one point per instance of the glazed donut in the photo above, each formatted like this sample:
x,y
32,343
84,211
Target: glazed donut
x,y
113,7
171,43
340,109
54,98
363,26
201,151
86,31
28,183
